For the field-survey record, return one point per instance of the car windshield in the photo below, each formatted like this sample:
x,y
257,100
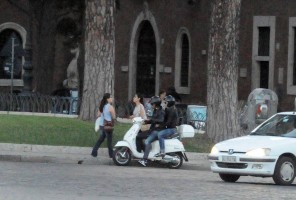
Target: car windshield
x,y
280,125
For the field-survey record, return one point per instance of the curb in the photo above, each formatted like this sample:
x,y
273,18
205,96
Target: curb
x,y
37,114
75,155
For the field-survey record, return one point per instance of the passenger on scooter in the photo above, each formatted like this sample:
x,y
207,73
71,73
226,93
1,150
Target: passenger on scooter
x,y
169,125
155,120
139,110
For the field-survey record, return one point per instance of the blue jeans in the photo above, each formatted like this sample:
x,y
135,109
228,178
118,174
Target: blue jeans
x,y
151,138
164,134
101,139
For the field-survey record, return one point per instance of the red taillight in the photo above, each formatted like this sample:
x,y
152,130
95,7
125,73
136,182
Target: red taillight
x,y
258,110
262,111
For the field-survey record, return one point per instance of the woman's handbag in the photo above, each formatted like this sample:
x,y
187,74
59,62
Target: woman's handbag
x,y
145,127
108,126
97,124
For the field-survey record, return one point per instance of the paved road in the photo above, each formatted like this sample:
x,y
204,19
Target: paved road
x,y
26,180
67,154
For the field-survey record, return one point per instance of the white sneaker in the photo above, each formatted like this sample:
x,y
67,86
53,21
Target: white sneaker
x,y
142,162
160,155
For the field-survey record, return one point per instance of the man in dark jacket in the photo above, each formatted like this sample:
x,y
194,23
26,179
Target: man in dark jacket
x,y
156,119
166,128
169,125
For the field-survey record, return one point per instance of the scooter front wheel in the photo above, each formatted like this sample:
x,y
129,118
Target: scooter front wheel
x,y
122,156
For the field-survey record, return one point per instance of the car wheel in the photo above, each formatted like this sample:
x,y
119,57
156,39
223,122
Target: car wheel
x,y
122,156
284,172
229,177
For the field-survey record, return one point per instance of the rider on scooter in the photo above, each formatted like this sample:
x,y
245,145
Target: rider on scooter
x,y
156,119
165,129
169,125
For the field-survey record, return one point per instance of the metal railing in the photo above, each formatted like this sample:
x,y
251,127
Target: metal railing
x,y
39,103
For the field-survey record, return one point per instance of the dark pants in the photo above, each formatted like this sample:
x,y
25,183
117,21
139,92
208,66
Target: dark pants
x,y
101,139
139,140
151,138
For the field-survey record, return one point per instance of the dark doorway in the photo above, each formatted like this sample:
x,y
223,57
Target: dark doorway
x,y
264,73
146,61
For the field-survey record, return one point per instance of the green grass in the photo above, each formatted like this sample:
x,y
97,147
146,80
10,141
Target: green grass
x,y
200,143
20,129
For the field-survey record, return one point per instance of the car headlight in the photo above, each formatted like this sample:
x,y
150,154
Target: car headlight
x,y
259,152
214,150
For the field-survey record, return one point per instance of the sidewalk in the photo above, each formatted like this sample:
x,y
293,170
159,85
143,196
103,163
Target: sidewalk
x,y
76,155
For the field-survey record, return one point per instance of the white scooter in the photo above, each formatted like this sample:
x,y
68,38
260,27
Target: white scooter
x,y
126,150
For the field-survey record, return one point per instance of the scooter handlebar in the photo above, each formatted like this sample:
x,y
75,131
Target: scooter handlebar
x,y
138,120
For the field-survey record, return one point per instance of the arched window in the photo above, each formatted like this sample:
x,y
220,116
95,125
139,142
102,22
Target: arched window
x,y
7,30
183,62
10,48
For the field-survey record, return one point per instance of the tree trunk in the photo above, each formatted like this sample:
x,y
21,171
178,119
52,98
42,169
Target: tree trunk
x,y
222,121
99,55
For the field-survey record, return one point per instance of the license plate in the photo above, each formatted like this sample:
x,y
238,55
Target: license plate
x,y
228,159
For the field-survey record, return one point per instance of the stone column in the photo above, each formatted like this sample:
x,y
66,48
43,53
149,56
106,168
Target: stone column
x,y
27,76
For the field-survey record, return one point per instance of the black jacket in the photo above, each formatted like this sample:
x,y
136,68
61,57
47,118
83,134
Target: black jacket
x,y
156,119
170,118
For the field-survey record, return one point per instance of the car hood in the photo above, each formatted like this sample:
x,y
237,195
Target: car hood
x,y
246,143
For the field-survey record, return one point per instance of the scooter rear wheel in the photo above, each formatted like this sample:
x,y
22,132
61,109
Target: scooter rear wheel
x,y
179,161
122,156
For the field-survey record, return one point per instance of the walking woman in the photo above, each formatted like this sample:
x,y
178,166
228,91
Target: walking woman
x,y
106,112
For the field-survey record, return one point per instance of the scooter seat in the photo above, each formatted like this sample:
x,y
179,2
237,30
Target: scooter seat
x,y
173,136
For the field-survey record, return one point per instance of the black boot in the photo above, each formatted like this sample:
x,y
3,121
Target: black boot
x,y
94,153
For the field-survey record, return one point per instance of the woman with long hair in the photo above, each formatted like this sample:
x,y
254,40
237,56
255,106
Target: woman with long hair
x,y
139,110
107,113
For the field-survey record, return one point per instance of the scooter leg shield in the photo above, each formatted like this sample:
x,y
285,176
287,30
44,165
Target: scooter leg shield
x,y
122,144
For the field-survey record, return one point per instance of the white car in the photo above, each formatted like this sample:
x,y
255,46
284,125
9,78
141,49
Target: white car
x,y
269,151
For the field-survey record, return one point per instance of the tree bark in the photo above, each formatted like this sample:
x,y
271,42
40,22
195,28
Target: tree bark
x,y
99,55
222,101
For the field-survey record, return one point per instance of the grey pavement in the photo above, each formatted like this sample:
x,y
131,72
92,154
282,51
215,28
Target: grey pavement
x,y
76,155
